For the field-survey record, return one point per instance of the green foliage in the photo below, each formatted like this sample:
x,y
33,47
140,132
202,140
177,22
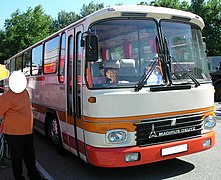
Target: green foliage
x,y
23,30
3,48
64,19
210,12
90,8
166,3
26,28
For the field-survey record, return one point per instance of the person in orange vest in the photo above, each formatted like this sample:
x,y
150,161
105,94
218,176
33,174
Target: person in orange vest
x,y
16,110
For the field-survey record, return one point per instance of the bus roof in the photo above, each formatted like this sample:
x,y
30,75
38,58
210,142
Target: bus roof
x,y
146,11
131,11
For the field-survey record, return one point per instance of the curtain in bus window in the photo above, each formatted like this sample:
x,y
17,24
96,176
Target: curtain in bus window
x,y
79,59
70,62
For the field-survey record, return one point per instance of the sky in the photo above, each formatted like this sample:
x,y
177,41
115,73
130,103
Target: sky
x,y
52,7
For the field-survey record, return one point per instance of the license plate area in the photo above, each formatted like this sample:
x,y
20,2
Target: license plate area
x,y
174,150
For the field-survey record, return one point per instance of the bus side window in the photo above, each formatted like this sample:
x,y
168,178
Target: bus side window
x,y
61,68
26,63
36,65
19,63
51,55
69,73
12,67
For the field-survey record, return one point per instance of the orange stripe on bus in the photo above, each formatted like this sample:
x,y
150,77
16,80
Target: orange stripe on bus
x,y
62,115
102,125
138,118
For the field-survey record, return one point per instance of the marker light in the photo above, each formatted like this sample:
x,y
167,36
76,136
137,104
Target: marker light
x,y
207,143
92,99
132,157
116,136
209,122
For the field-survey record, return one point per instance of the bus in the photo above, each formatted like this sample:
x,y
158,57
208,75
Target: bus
x,y
124,86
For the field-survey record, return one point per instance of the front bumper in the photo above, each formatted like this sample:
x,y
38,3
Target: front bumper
x,y
115,157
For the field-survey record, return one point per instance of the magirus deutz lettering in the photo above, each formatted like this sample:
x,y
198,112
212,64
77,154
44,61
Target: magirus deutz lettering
x,y
176,131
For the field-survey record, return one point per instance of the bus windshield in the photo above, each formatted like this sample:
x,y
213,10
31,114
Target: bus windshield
x,y
128,47
126,50
186,50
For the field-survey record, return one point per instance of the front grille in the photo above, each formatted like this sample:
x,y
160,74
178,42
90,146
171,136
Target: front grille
x,y
161,130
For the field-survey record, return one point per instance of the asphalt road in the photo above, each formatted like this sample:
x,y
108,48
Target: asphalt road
x,y
201,166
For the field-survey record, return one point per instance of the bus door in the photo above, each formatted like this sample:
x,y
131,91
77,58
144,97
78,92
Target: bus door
x,y
78,91
73,90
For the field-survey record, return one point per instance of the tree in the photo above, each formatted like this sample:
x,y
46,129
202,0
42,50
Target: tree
x,y
197,7
90,8
210,12
23,30
3,49
175,4
64,19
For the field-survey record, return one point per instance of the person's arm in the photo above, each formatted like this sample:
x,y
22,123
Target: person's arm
x,y
4,103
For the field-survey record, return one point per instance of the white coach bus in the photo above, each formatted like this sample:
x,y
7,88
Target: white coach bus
x,y
124,86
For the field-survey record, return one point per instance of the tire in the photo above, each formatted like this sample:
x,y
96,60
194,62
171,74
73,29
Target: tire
x,y
217,92
53,133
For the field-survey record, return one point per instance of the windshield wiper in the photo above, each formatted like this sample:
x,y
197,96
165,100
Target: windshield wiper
x,y
187,72
146,75
168,60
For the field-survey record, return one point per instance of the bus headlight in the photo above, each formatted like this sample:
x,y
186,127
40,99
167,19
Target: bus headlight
x,y
116,136
209,122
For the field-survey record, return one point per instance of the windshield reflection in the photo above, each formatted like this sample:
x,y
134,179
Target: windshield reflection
x,y
127,49
187,51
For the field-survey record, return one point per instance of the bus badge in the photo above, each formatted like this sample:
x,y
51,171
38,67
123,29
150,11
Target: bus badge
x,y
153,132
173,122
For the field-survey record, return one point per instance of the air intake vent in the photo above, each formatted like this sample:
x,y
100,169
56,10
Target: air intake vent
x,y
131,14
179,18
157,131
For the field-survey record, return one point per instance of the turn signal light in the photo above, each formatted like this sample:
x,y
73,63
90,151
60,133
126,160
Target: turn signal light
x,y
92,99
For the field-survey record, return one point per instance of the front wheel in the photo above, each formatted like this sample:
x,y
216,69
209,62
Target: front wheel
x,y
53,133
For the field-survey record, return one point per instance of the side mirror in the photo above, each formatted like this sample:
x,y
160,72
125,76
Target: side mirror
x,y
91,47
